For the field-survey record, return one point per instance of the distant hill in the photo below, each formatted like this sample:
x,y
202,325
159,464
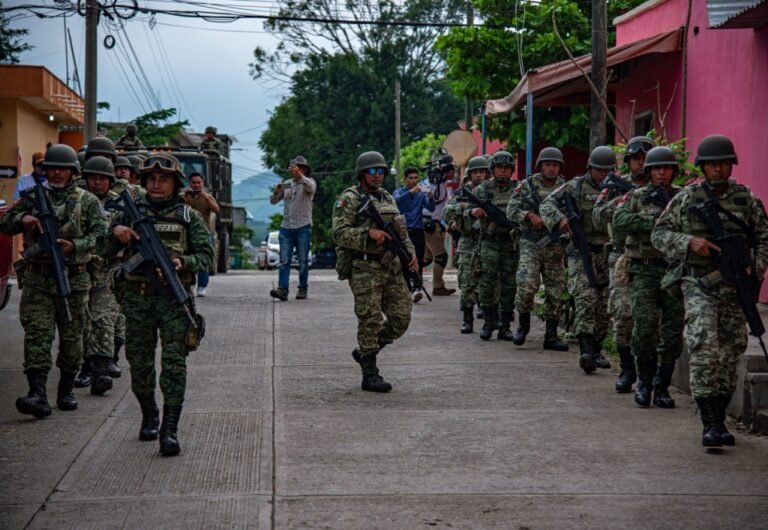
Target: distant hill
x,y
253,194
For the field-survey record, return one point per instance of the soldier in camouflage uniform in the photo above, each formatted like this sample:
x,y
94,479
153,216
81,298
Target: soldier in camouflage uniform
x,y
81,222
148,312
382,301
123,174
657,313
211,142
619,307
591,318
129,141
541,257
715,332
498,251
458,218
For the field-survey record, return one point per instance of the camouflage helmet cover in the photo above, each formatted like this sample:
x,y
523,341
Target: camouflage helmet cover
x,y
99,165
660,156
602,157
61,155
551,154
716,147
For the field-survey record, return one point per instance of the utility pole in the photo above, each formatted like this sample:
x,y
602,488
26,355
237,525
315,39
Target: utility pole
x,y
91,21
467,100
397,130
597,115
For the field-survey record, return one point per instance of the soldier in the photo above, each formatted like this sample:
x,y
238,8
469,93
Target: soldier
x,y
715,324
100,340
498,251
130,141
81,223
657,313
101,146
378,288
591,317
149,312
541,256
458,217
619,306
133,177
211,142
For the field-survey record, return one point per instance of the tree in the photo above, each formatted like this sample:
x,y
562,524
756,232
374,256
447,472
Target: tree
x,y
155,128
420,153
11,44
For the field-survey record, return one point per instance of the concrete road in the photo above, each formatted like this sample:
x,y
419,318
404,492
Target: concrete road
x,y
276,433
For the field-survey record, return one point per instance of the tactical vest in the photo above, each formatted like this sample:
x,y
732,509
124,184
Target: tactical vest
x,y
68,210
499,198
639,245
585,196
537,181
738,202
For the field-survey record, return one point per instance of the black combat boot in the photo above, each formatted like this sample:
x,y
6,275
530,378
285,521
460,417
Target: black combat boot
x,y
710,418
150,418
628,375
36,400
468,325
597,355
646,368
113,369
480,313
661,382
169,442
506,317
551,340
65,396
586,360
523,327
490,323
83,379
100,380
726,438
372,381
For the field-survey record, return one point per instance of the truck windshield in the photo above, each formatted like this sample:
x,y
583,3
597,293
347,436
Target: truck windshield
x,y
194,164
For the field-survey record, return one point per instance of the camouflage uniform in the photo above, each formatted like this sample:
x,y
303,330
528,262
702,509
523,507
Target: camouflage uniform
x,y
129,143
467,260
377,289
536,263
214,143
81,220
715,325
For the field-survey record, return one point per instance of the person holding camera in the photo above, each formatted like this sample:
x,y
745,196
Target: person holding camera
x,y
196,197
412,201
296,230
434,231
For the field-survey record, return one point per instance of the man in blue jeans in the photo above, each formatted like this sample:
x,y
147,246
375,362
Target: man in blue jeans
x,y
296,230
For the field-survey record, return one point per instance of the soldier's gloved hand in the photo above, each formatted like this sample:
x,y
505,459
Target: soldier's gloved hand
x,y
124,234
66,245
536,222
413,265
478,213
31,224
379,236
702,246
564,225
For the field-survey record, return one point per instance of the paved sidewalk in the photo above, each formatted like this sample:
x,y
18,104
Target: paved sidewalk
x,y
276,433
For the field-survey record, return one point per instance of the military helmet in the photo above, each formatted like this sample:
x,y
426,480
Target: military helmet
x,y
163,162
61,155
81,159
602,157
478,162
101,146
368,160
131,128
135,161
210,129
660,156
715,147
551,154
638,144
100,165
122,161
502,158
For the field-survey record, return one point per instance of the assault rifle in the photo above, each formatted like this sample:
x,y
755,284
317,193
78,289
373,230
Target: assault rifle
x,y
658,197
534,199
494,213
394,244
616,183
734,260
151,254
578,238
47,243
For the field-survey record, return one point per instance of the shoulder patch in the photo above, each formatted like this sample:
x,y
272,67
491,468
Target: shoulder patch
x,y
624,198
340,203
603,195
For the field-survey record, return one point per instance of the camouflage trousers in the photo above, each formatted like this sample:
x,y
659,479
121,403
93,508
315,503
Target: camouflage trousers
x,y
145,317
657,316
41,314
537,264
103,311
619,305
591,302
715,335
468,269
120,328
498,268
382,304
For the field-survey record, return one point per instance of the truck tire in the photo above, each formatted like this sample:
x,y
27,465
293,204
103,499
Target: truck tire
x,y
223,257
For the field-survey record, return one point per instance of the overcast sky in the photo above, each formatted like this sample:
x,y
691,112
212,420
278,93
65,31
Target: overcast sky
x,y
209,65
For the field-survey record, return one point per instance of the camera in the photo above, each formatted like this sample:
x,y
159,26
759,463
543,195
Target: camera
x,y
437,170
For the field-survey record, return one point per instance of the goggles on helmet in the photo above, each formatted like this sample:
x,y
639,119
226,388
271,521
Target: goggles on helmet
x,y
639,146
159,163
503,160
376,171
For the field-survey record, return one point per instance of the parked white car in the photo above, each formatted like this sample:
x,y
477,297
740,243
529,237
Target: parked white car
x,y
269,252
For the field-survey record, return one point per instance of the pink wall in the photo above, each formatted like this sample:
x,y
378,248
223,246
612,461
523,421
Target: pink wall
x,y
664,17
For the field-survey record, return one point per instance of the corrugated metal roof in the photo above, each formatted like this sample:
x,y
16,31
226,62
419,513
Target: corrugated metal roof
x,y
721,11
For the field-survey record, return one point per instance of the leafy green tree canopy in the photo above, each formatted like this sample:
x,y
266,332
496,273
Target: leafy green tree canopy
x,y
155,128
11,43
